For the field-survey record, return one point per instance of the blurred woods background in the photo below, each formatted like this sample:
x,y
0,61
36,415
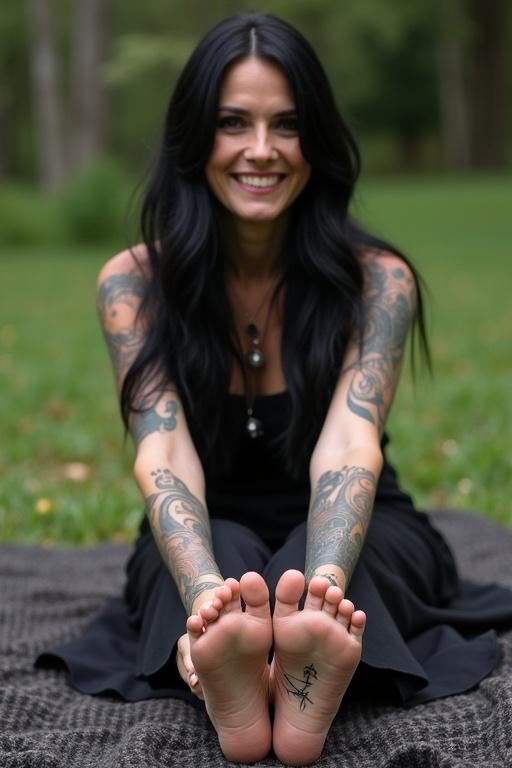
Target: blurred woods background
x,y
424,83
85,83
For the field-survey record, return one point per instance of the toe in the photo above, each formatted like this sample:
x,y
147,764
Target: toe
x,y
333,597
317,588
255,595
217,602
233,604
289,590
358,623
195,626
222,595
209,612
345,612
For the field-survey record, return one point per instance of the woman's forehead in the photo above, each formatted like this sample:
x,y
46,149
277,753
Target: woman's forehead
x,y
254,81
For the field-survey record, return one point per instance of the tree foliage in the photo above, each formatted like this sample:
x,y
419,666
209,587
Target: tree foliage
x,y
383,57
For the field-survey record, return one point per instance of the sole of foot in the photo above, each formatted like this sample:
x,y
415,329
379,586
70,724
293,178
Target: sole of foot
x,y
229,648
316,652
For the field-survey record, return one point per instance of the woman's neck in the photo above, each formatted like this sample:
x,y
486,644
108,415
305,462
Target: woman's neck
x,y
254,250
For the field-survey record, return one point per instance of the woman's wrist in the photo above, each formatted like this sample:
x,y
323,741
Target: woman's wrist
x,y
333,573
205,596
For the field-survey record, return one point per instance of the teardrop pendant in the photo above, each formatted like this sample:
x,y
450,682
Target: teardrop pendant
x,y
254,427
255,358
252,331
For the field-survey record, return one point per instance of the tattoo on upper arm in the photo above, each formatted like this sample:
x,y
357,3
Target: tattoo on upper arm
x,y
146,422
182,532
389,302
338,519
115,294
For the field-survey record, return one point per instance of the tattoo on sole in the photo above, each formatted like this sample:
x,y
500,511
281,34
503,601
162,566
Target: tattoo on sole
x,y
299,687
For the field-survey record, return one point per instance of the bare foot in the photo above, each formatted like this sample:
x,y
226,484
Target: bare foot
x,y
316,653
229,648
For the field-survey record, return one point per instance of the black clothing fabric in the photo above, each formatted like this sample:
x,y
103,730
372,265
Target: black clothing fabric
x,y
258,491
429,634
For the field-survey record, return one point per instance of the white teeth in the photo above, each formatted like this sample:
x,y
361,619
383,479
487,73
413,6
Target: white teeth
x,y
259,181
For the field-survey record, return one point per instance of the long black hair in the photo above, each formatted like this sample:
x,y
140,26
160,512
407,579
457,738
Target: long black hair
x,y
191,338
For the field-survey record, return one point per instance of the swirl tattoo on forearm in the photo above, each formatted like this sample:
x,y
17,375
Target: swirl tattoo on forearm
x,y
389,305
338,519
183,535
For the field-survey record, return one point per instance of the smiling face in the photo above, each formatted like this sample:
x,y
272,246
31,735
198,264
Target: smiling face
x,y
256,168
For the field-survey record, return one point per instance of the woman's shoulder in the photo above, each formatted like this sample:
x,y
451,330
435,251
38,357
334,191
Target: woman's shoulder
x,y
132,261
384,270
120,289
378,259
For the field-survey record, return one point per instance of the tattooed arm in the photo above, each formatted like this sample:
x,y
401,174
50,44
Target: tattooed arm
x,y
181,527
167,468
347,459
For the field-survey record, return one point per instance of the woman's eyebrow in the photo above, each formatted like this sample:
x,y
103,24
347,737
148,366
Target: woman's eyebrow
x,y
236,110
239,111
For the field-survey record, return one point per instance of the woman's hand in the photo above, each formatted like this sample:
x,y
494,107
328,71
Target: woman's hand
x,y
183,658
186,668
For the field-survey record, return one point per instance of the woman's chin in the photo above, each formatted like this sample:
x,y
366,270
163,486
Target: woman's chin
x,y
257,213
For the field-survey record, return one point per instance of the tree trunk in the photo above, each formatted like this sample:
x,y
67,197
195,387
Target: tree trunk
x,y
452,87
47,108
488,72
91,33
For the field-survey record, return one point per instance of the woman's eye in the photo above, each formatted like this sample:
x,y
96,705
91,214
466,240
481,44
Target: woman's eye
x,y
288,124
230,123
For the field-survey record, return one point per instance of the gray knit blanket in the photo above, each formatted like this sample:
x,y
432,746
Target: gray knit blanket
x,y
47,596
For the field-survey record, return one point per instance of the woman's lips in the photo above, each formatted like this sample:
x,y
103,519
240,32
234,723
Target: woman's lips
x,y
259,183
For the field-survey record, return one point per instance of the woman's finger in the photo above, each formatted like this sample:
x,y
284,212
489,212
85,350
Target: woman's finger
x,y
183,658
186,667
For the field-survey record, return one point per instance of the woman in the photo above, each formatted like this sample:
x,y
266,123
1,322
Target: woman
x,y
257,336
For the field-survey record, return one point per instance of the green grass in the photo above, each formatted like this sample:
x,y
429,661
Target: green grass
x,y
450,435
59,407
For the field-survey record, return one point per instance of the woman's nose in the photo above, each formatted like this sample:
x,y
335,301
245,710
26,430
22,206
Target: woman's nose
x,y
260,147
